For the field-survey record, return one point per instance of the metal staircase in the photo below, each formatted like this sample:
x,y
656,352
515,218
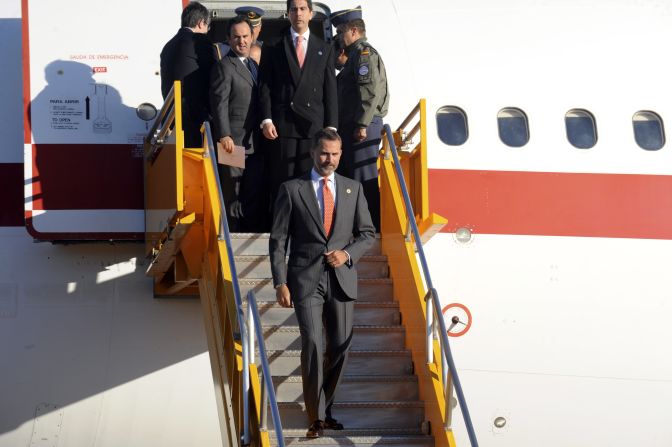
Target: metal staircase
x,y
378,399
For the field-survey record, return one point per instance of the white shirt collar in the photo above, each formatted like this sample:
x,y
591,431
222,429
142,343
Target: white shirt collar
x,y
315,177
305,35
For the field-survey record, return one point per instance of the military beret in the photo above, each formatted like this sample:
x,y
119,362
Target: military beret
x,y
347,15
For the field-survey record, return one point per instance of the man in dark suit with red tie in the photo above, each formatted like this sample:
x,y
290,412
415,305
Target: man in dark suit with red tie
x,y
297,93
324,219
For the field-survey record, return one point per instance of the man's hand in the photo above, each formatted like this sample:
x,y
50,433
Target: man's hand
x,y
269,131
336,258
360,134
227,144
283,296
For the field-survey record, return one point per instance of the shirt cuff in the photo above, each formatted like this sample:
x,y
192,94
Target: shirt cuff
x,y
349,261
267,120
332,128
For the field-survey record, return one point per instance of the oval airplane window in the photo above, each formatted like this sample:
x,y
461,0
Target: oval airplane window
x,y
451,123
649,132
513,127
581,128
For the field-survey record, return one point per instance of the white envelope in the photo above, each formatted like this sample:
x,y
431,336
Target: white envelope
x,y
235,158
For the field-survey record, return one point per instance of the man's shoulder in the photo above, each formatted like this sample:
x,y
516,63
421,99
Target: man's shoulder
x,y
347,181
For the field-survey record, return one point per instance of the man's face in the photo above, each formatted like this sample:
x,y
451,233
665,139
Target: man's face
x,y
299,15
240,39
326,158
349,36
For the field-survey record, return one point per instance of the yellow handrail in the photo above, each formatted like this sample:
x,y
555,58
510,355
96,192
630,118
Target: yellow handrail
x,y
409,289
188,257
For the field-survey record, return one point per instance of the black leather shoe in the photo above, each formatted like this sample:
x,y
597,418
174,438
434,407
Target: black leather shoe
x,y
332,424
315,429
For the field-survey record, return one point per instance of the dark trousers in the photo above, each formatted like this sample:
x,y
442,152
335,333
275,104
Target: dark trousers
x,y
243,191
328,306
359,162
288,158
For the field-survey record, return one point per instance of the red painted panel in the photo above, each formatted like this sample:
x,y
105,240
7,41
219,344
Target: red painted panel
x,y
82,176
26,72
554,204
11,198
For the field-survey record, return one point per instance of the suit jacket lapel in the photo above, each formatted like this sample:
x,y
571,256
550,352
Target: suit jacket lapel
x,y
241,69
342,197
293,62
307,194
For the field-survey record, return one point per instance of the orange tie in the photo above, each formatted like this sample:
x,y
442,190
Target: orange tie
x,y
300,51
328,206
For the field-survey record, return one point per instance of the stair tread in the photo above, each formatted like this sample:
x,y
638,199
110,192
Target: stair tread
x,y
363,404
363,304
331,438
353,352
357,327
360,280
356,378
249,258
263,235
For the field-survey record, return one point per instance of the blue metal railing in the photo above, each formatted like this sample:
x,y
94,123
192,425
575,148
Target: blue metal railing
x,y
267,390
246,333
433,305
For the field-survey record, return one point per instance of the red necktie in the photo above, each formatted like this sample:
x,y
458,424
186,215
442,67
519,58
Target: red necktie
x,y
328,205
300,51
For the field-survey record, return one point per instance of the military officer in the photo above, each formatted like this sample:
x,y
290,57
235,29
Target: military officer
x,y
363,102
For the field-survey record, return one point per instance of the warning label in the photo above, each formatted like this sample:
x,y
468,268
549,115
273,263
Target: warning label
x,y
66,114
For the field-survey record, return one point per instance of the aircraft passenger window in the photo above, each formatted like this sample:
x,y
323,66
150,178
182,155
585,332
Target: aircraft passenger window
x,y
649,132
513,127
451,123
581,128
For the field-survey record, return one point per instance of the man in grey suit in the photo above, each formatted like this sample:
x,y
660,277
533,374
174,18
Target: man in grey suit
x,y
233,96
325,220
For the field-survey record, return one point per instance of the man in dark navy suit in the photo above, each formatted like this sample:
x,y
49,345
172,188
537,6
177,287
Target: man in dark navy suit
x,y
188,57
297,94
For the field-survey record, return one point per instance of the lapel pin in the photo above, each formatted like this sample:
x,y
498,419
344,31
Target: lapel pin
x,y
348,190
320,52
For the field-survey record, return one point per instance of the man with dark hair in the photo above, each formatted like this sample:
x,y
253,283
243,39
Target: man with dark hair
x,y
324,219
188,57
363,102
233,96
297,94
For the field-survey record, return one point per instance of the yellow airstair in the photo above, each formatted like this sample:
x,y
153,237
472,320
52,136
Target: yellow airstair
x,y
401,373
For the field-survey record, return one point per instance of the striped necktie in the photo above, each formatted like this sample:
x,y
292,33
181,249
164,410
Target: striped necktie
x,y
328,211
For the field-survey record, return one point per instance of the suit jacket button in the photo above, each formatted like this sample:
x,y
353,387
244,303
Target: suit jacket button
x,y
291,104
308,104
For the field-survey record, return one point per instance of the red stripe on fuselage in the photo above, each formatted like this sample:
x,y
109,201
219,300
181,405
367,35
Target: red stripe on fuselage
x,y
11,198
81,176
553,204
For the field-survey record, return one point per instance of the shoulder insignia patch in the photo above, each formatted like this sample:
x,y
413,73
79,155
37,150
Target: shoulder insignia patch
x,y
363,70
365,52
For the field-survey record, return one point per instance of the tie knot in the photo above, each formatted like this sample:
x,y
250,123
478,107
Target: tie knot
x,y
299,40
325,180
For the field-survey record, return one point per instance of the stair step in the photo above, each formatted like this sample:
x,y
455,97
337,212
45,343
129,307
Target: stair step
x,y
364,337
337,438
354,388
361,415
252,244
366,313
260,267
360,362
368,289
